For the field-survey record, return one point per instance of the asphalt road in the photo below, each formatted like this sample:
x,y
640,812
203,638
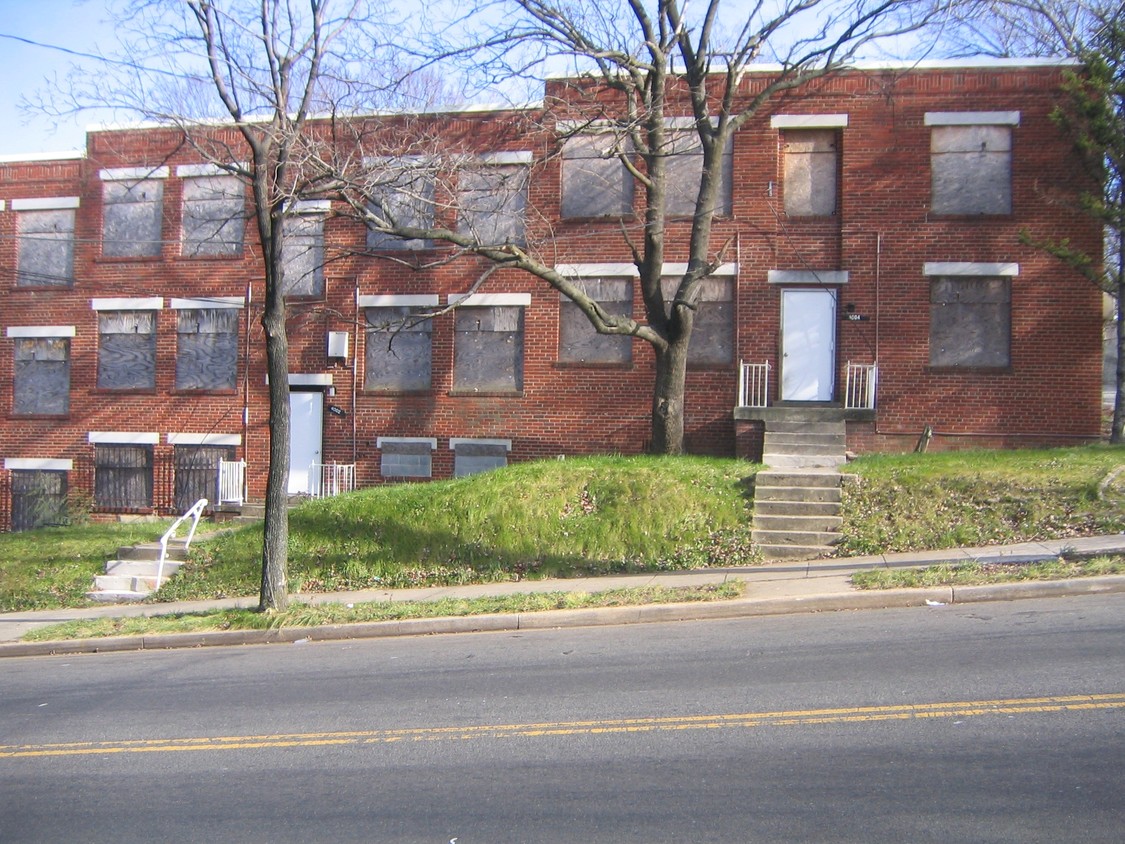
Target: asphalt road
x,y
987,722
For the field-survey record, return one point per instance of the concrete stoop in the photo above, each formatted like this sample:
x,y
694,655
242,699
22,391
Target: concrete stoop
x,y
797,499
131,576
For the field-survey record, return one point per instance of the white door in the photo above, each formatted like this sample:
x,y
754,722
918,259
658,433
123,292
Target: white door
x,y
808,344
306,429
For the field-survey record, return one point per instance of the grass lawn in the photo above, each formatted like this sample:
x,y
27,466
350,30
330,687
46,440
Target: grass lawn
x,y
975,574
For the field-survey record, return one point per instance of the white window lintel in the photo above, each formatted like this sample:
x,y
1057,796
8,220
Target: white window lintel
x,y
393,300
132,174
44,464
149,303
809,121
970,268
827,277
972,118
40,331
123,438
45,203
207,303
489,300
430,441
205,439
456,441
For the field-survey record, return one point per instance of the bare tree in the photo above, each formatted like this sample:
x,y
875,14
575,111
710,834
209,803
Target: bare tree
x,y
242,81
671,91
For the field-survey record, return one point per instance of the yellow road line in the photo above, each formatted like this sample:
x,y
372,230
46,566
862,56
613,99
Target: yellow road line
x,y
783,718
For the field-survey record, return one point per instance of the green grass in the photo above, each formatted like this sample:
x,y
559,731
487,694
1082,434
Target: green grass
x,y
973,574
55,567
945,500
308,615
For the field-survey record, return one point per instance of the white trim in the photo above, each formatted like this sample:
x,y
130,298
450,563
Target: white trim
x,y
456,441
485,300
598,270
40,331
809,121
976,268
972,118
499,158
408,162
671,269
2,206
151,303
429,440
189,171
32,157
394,300
207,302
43,463
204,439
44,203
310,206
310,380
826,277
123,438
129,174
587,127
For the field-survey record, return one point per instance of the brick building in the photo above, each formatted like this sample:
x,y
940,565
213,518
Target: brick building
x,y
872,224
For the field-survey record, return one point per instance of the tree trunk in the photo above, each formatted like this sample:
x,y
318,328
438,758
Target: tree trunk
x,y
275,546
668,398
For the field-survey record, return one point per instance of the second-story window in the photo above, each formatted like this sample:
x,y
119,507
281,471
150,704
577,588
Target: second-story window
x,y
206,347
971,162
810,165
132,211
403,196
126,343
595,182
213,213
46,241
492,198
488,343
684,172
302,251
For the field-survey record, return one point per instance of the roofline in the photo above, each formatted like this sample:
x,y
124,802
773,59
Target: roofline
x,y
31,157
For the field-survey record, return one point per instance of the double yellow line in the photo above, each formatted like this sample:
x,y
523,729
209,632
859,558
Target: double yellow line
x,y
784,718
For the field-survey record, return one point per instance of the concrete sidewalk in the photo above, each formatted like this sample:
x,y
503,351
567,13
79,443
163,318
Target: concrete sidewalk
x,y
780,587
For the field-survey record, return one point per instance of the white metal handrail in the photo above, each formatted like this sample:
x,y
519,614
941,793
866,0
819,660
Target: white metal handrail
x,y
753,384
862,383
329,479
194,514
232,481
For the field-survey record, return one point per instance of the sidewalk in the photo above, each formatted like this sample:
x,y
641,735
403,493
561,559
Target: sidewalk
x,y
775,588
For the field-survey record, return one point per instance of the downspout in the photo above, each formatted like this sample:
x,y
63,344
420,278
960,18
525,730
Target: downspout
x,y
246,373
355,370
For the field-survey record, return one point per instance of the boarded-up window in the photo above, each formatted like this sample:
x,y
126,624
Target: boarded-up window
x,y
470,457
46,248
971,170
131,218
595,182
38,499
398,349
684,171
123,477
712,337
206,349
404,197
197,473
302,253
405,458
810,172
579,342
214,212
127,350
41,383
492,202
488,352
970,322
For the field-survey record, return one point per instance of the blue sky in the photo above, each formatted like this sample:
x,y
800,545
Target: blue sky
x,y
73,24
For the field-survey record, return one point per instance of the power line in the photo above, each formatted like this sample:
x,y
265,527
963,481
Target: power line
x,y
94,56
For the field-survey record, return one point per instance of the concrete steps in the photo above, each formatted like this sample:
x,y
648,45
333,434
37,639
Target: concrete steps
x,y
797,510
131,575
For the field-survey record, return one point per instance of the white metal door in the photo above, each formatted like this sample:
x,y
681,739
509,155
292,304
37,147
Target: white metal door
x,y
306,430
808,344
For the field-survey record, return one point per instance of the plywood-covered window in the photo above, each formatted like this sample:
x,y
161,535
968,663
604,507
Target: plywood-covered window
x,y
971,162
492,202
810,167
206,349
46,248
406,457
213,216
132,217
488,349
595,181
403,197
471,457
579,341
127,350
712,338
683,163
41,376
302,255
970,322
398,350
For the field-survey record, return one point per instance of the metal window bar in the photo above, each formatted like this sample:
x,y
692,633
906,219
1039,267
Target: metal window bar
x,y
753,384
232,481
862,382
329,479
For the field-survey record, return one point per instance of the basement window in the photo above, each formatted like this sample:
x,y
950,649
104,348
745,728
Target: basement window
x,y
406,457
471,457
123,477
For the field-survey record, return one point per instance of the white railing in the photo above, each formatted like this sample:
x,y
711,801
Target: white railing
x,y
194,513
754,384
328,479
859,392
232,482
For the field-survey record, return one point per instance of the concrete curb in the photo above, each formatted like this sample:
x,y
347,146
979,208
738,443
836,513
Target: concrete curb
x,y
596,617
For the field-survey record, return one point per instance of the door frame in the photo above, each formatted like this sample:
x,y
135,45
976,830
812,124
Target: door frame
x,y
306,427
